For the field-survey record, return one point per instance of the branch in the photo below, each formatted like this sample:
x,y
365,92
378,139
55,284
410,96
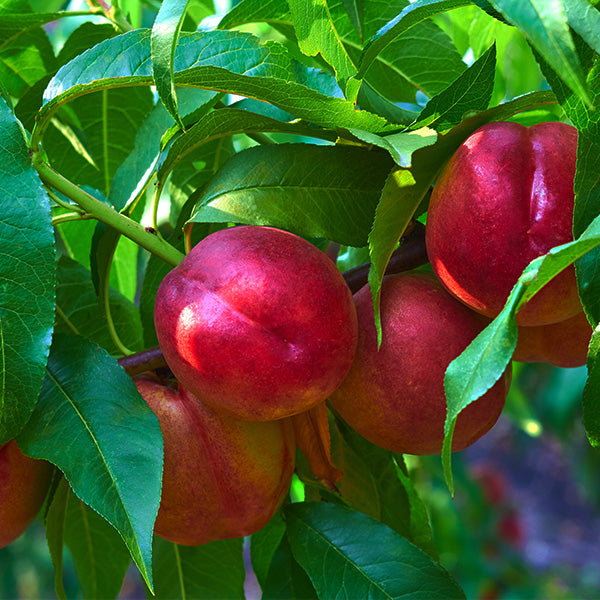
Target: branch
x,y
107,214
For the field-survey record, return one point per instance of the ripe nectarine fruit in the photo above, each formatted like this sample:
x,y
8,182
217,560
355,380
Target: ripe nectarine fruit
x,y
505,198
222,478
394,396
258,322
24,483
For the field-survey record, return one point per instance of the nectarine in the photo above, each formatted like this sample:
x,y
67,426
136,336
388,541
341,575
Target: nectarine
x,y
503,199
222,478
24,484
258,322
562,344
395,396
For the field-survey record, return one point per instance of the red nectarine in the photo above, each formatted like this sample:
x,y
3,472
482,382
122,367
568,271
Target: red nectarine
x,y
395,396
24,484
258,322
222,478
503,199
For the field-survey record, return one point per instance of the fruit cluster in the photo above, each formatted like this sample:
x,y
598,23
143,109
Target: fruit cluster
x,y
259,327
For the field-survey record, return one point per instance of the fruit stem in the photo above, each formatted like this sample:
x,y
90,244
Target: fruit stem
x,y
107,214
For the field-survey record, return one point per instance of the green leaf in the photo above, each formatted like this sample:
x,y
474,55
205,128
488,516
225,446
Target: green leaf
x,y
544,23
99,555
226,122
315,191
591,399
26,61
472,91
14,25
400,199
401,146
585,20
78,308
27,279
217,60
212,571
410,16
423,58
354,9
55,527
317,33
92,423
163,42
96,135
347,552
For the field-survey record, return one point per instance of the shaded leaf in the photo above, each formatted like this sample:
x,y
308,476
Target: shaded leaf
x,y
346,552
317,33
472,91
591,399
99,555
27,279
212,571
412,14
92,423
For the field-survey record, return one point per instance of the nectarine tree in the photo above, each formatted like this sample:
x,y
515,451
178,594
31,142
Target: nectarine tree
x,y
192,192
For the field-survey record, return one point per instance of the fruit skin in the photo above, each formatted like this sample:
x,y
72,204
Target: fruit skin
x,y
222,478
258,322
503,199
24,483
563,344
394,397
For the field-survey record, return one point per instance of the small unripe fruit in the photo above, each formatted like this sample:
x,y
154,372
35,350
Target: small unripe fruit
x,y
222,478
503,199
24,483
395,396
258,322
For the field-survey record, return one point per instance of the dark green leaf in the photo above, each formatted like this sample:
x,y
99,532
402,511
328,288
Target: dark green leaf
x,y
264,544
99,555
545,26
212,571
472,91
55,529
92,423
286,578
27,278
314,191
78,307
591,398
349,554
163,41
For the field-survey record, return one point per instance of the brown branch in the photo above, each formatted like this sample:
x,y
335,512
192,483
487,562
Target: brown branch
x,y
410,254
